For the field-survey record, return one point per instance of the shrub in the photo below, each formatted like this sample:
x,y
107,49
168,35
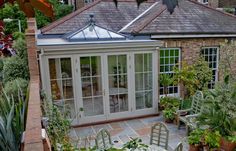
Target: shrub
x,y
20,46
195,137
169,102
13,68
16,88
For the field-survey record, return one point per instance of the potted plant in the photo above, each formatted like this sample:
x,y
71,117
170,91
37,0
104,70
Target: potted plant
x,y
135,144
228,143
194,139
212,140
169,114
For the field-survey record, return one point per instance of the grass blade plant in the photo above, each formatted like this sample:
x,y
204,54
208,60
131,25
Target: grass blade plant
x,y
12,122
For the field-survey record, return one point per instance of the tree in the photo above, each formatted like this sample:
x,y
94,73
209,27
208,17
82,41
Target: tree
x,y
12,11
60,10
28,6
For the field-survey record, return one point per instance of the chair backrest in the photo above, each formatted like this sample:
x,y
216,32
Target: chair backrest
x,y
179,147
159,135
197,102
103,139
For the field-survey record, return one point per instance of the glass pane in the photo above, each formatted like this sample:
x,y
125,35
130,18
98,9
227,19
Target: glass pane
x,y
67,89
118,103
122,64
86,87
70,108
148,99
148,62
102,33
96,65
56,89
85,66
122,81
66,68
140,101
90,32
52,69
139,63
147,81
79,35
112,65
97,86
162,53
93,106
172,53
139,81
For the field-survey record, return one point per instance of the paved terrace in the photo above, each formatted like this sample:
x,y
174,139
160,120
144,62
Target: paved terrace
x,y
121,132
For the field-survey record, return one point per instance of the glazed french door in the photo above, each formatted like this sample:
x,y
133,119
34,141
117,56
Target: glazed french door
x,y
91,96
116,85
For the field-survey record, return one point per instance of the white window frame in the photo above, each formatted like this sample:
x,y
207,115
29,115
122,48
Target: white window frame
x,y
170,72
217,64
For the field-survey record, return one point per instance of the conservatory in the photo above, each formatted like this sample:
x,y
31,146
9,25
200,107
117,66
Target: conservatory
x,y
96,74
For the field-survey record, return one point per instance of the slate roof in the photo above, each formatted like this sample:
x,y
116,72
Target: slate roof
x,y
106,15
188,18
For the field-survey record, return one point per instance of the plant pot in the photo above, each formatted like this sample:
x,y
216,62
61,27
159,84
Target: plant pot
x,y
193,147
227,145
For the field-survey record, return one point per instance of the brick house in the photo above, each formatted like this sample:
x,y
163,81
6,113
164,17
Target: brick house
x,y
102,63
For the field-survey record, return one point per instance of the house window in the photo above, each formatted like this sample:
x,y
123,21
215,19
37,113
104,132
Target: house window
x,y
169,58
210,55
61,84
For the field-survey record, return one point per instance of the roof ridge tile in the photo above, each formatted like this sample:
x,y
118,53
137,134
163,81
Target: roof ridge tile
x,y
148,20
222,12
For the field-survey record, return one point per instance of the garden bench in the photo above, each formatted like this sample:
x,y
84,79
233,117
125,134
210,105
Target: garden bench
x,y
192,112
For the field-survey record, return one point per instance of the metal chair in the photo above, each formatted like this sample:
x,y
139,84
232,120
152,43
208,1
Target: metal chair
x,y
103,140
179,147
159,135
193,111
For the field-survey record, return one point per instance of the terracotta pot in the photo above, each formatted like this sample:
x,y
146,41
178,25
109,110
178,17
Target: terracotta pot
x,y
227,145
193,147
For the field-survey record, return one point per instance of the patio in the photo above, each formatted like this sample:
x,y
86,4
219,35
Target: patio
x,y
122,131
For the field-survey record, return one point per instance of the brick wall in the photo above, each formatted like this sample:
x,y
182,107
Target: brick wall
x,y
33,137
213,3
190,48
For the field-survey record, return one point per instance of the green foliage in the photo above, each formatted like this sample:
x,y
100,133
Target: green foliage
x,y
57,128
60,11
193,77
13,12
203,74
135,143
212,139
170,102
227,59
165,81
16,88
186,103
169,113
229,10
1,68
15,67
232,138
20,46
195,137
18,35
12,118
220,109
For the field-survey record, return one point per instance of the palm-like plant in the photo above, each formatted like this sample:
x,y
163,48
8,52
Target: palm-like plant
x,y
12,119
166,80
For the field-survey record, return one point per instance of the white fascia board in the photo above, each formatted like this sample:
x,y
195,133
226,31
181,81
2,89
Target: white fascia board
x,y
193,36
102,45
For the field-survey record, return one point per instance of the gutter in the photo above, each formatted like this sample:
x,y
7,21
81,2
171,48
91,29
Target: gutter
x,y
193,36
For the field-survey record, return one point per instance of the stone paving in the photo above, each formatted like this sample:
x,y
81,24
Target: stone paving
x,y
123,131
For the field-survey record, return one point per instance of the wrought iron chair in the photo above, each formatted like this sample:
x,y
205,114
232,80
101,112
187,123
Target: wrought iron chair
x,y
179,147
192,112
103,140
159,135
